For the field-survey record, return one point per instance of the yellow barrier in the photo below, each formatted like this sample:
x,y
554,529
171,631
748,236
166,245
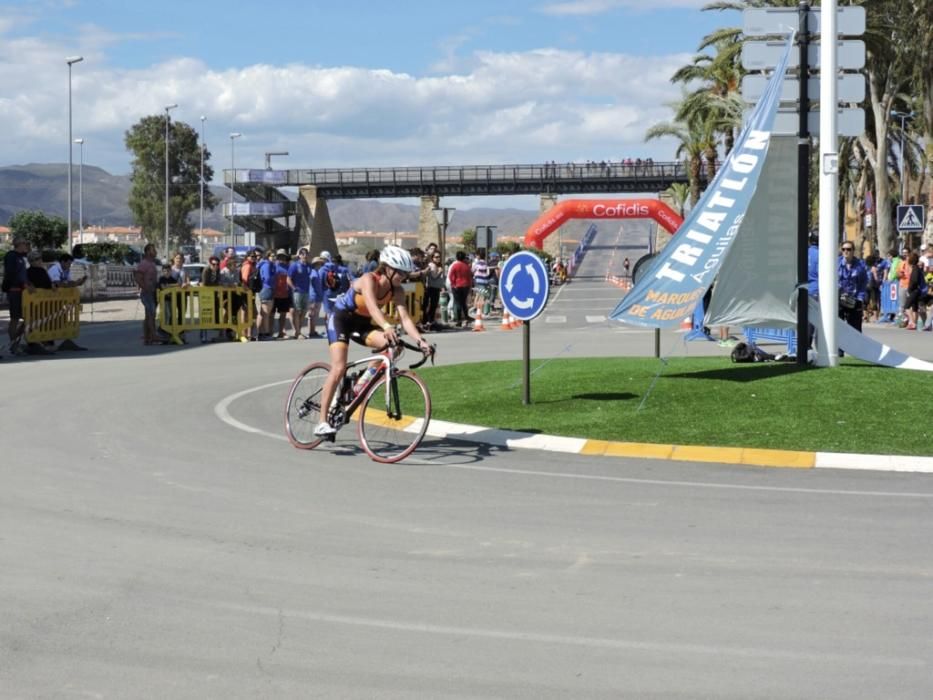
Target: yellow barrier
x,y
204,309
51,314
414,293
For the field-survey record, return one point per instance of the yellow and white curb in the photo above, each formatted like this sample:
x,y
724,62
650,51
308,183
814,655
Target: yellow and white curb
x,y
747,456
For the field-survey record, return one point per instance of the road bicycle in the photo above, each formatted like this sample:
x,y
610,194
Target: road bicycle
x,y
392,409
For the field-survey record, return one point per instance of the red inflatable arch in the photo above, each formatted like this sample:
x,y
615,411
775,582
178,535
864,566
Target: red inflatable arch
x,y
550,220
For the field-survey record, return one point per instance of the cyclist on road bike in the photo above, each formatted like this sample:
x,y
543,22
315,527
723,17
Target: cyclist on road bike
x,y
357,315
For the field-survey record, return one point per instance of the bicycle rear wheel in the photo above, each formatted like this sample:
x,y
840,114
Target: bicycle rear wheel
x,y
303,407
389,433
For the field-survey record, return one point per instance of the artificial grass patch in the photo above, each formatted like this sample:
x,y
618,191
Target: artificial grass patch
x,y
696,401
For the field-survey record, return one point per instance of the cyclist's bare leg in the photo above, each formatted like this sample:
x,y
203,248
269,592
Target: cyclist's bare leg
x,y
338,365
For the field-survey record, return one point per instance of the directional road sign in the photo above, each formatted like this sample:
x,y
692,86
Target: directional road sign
x,y
910,218
762,55
849,122
850,87
524,285
765,21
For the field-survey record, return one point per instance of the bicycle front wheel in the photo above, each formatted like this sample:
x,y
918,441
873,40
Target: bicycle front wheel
x,y
303,407
392,424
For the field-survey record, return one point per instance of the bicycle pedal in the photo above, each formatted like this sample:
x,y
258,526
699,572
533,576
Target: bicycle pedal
x,y
331,438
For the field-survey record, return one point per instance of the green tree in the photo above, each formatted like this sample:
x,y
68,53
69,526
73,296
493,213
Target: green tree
x,y
146,140
468,240
40,230
694,138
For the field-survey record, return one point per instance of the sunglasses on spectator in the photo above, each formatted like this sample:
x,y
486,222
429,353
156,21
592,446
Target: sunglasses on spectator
x,y
846,249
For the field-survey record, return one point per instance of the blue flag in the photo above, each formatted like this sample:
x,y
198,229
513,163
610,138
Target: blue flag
x,y
668,291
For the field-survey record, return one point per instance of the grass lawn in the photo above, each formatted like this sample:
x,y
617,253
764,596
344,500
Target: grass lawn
x,y
696,401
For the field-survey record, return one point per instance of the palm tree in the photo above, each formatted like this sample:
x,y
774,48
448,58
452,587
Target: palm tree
x,y
691,147
678,194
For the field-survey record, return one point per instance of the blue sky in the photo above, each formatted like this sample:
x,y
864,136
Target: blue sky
x,y
350,83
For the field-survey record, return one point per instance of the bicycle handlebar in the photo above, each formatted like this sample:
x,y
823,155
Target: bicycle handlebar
x,y
406,344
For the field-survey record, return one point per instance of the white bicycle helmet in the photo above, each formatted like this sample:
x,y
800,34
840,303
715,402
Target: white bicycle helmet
x,y
397,258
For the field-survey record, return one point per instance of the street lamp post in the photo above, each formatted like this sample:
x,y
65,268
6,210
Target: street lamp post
x,y
233,136
201,188
168,108
442,214
70,61
80,142
903,116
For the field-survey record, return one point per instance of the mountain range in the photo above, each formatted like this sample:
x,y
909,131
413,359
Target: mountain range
x,y
44,187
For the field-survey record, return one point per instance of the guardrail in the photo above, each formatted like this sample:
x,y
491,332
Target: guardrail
x,y
184,309
51,314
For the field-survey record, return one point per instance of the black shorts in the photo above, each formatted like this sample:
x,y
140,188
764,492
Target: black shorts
x,y
280,306
344,326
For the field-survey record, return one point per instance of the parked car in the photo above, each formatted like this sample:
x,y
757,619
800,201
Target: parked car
x,y
194,272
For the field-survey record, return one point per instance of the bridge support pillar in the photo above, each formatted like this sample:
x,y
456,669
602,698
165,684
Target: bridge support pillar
x,y
315,229
551,243
428,230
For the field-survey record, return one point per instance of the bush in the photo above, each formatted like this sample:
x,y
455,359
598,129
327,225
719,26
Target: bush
x,y
108,252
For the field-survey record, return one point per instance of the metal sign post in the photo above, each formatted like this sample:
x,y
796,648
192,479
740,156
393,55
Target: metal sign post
x,y
524,287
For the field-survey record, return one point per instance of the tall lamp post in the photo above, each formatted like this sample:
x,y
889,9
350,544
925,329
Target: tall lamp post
x,y
201,188
80,142
70,61
233,136
903,116
168,108
442,214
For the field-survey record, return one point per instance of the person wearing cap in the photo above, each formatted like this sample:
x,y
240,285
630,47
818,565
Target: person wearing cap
x,y
37,275
299,281
315,296
358,315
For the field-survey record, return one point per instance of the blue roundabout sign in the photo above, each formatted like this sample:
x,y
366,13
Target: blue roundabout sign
x,y
524,285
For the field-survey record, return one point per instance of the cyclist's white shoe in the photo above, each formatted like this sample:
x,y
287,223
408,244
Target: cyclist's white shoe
x,y
324,430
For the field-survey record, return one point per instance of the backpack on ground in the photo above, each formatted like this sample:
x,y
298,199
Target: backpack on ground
x,y
749,352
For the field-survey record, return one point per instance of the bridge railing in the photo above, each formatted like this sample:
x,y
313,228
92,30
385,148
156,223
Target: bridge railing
x,y
463,174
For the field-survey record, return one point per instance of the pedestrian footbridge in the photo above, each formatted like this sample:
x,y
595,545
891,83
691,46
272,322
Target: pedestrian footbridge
x,y
265,205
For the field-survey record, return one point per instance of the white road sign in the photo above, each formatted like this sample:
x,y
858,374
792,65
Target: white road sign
x,y
850,87
850,122
762,55
766,21
910,218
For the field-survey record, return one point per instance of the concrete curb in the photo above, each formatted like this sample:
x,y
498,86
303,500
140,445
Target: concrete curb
x,y
747,456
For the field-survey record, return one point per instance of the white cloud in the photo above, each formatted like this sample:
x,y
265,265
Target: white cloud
x,y
505,107
598,7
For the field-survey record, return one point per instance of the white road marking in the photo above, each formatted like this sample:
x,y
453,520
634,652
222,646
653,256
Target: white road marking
x,y
221,410
595,319
717,650
555,319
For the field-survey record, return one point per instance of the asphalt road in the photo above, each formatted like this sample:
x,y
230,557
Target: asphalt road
x,y
159,538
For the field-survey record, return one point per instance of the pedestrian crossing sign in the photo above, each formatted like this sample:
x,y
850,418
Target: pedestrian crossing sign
x,y
910,218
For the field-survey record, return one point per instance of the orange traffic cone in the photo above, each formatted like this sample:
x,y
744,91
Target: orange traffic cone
x,y
687,324
478,321
514,323
506,323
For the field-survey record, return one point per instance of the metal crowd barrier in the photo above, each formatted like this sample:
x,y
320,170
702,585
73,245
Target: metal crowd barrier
x,y
51,314
204,309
